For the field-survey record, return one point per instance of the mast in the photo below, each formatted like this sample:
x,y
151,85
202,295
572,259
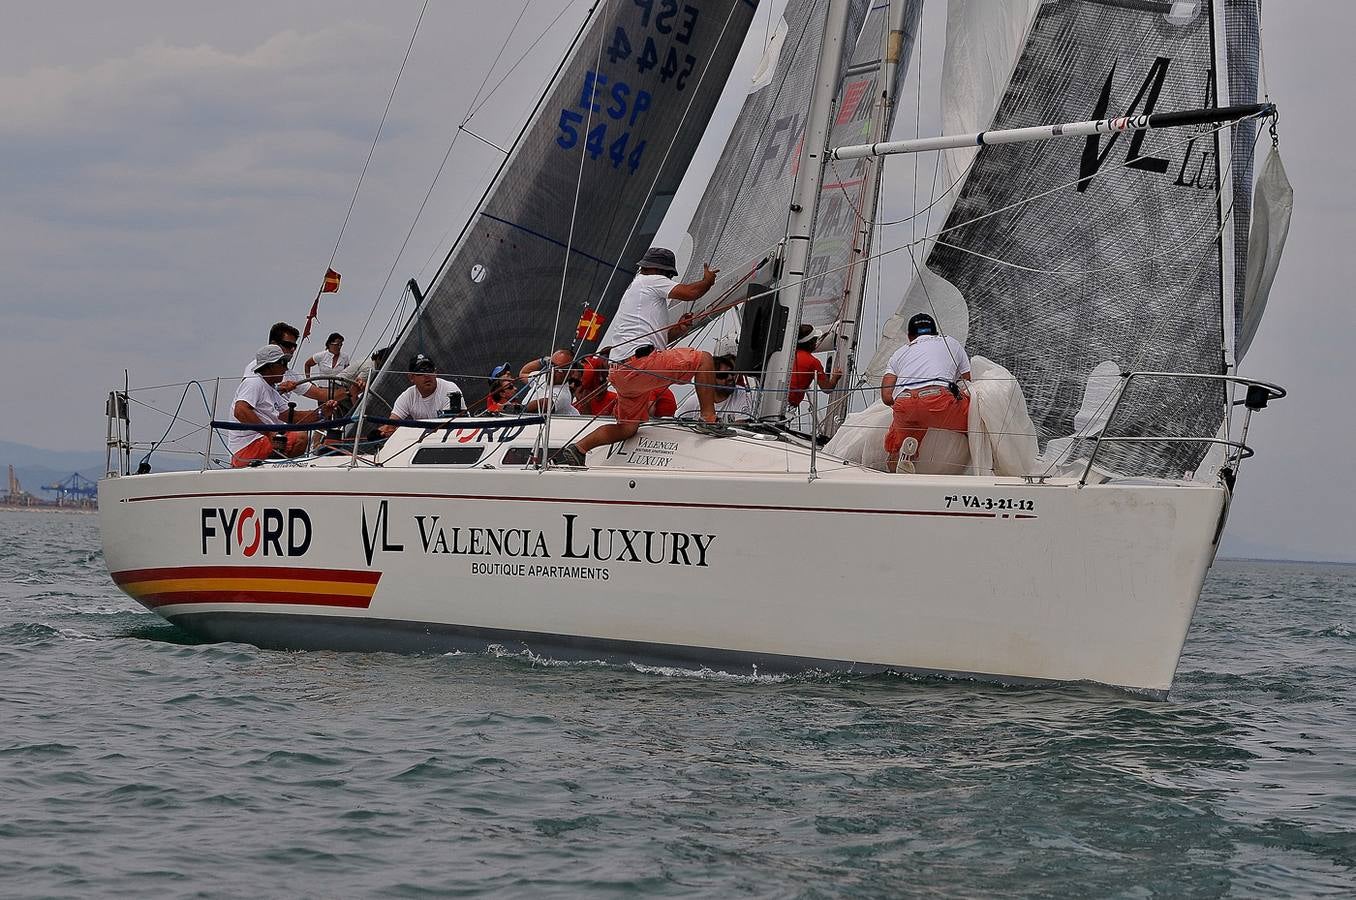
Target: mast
x,y
849,331
800,226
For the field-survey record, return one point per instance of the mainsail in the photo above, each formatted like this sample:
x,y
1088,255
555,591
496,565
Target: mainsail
x,y
616,130
1063,259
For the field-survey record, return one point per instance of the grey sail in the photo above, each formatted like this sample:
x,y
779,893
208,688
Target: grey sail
x,y
617,128
743,214
845,183
1068,262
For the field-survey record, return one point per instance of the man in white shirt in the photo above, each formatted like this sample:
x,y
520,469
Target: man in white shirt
x,y
427,395
257,402
734,402
284,337
558,398
642,362
922,384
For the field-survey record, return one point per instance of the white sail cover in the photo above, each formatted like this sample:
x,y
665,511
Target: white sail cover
x,y
616,130
1059,257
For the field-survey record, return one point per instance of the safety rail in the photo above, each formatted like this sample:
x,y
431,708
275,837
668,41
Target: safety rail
x,y
1258,395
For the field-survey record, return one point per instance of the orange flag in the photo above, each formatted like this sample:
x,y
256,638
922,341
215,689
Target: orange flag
x,y
331,282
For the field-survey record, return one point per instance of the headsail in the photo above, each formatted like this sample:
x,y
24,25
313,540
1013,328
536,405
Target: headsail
x,y
617,129
1060,257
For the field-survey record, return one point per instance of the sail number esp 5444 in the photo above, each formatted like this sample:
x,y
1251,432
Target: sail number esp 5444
x,y
607,99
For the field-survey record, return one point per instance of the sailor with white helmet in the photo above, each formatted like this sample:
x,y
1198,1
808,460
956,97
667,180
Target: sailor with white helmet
x,y
922,384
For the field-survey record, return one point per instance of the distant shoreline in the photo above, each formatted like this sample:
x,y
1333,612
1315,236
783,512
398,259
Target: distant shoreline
x,y
77,510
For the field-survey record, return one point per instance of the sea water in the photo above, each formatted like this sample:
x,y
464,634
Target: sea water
x,y
135,761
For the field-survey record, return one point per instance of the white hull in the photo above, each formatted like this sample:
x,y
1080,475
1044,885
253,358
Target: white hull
x,y
997,578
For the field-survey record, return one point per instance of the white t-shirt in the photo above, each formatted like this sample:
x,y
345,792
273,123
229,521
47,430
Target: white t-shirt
x,y
738,407
643,316
326,365
266,402
928,360
289,376
413,405
561,400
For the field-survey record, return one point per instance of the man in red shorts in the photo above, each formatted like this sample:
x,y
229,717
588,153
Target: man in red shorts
x,y
922,384
642,362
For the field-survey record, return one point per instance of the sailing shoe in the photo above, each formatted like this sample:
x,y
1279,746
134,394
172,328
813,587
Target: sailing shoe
x,y
570,455
713,429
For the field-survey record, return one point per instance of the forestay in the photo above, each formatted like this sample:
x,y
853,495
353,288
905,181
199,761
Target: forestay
x,y
616,129
1060,257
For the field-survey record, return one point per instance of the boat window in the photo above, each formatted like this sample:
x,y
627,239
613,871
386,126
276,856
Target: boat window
x,y
521,456
447,456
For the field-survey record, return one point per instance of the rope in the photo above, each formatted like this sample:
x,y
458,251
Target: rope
x,y
372,149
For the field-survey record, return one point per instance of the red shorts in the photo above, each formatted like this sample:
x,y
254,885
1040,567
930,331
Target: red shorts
x,y
915,415
262,448
638,380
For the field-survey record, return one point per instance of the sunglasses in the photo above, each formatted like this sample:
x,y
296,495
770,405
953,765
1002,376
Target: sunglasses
x,y
288,345
724,376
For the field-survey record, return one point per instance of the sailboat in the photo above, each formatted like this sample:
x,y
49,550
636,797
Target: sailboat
x,y
1098,245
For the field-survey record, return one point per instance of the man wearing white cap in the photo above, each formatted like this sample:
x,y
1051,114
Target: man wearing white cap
x,y
257,402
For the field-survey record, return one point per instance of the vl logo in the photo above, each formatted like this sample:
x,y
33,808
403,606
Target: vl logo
x,y
377,532
1192,172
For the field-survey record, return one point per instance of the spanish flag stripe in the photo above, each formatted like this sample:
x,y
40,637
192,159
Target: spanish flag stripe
x,y
270,585
128,576
178,598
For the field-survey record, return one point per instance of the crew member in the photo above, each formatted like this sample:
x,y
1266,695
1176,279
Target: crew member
x,y
534,377
922,384
284,336
257,402
734,401
503,387
426,397
642,362
807,366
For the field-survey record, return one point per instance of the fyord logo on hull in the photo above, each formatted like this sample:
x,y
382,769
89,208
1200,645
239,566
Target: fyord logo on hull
x,y
267,531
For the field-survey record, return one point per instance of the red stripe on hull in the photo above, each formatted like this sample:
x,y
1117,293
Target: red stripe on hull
x,y
131,576
155,599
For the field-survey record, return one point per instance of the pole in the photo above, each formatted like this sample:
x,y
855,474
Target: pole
x,y
1208,116
805,200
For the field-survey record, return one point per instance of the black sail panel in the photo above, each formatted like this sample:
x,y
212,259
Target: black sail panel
x,y
618,128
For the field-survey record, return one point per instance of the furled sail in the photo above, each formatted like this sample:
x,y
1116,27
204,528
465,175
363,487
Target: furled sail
x,y
616,129
1062,259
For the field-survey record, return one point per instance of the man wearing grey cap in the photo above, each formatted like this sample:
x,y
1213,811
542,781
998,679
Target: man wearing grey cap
x,y
642,362
257,402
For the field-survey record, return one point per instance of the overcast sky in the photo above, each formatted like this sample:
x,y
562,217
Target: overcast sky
x,y
173,176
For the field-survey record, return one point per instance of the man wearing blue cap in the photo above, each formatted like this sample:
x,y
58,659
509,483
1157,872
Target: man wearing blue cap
x,y
922,384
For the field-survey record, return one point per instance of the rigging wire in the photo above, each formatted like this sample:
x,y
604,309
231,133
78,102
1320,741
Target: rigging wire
x,y
438,175
348,214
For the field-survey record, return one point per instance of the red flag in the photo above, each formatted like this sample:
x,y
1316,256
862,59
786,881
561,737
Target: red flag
x,y
331,283
589,323
315,310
